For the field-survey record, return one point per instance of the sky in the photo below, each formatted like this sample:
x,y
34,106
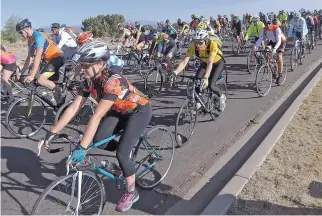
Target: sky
x,y
71,12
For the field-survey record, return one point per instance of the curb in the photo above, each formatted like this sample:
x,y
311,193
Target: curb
x,y
225,198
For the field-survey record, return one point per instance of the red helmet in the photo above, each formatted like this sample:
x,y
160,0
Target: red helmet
x,y
84,37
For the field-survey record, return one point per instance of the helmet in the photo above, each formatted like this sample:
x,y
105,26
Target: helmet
x,y
120,25
297,15
195,16
269,22
225,16
84,37
93,52
255,19
55,25
41,30
25,23
179,21
63,25
236,18
200,35
211,18
137,23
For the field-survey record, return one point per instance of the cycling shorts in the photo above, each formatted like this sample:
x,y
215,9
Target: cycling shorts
x,y
51,69
280,48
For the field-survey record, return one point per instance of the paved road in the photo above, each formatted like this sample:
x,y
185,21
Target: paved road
x,y
24,175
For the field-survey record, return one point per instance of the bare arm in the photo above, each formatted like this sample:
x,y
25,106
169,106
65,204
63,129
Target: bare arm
x,y
37,61
182,65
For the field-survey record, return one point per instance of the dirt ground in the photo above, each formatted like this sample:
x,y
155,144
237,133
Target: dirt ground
x,y
290,180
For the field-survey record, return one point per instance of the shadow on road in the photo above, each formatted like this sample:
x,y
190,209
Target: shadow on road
x,y
23,162
252,207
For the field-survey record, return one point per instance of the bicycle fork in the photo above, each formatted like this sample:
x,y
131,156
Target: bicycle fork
x,y
79,174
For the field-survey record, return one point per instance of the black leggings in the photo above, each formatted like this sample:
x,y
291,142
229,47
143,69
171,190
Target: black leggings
x,y
217,69
133,126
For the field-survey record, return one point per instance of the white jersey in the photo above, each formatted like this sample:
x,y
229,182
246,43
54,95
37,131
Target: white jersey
x,y
298,26
65,40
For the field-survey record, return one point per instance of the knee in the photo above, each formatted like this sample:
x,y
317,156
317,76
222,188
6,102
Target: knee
x,y
42,79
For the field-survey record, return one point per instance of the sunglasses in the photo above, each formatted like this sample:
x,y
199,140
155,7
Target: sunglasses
x,y
87,66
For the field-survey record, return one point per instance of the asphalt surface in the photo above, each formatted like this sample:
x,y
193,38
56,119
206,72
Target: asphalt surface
x,y
25,176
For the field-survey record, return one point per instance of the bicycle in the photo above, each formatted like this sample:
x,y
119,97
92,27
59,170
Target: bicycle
x,y
159,74
39,95
297,54
269,69
253,60
145,163
209,106
236,43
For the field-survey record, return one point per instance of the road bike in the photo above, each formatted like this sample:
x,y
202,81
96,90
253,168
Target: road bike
x,y
297,54
267,71
83,192
209,104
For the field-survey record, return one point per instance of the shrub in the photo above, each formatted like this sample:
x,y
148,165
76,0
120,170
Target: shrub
x,y
103,25
9,31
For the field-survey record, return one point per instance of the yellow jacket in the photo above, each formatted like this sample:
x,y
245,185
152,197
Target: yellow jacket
x,y
254,30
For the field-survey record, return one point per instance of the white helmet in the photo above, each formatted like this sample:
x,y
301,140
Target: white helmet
x,y
256,19
93,52
297,15
200,35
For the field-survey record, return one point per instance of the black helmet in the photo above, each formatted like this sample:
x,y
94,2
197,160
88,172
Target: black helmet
x,y
55,25
179,21
63,25
167,21
41,30
25,23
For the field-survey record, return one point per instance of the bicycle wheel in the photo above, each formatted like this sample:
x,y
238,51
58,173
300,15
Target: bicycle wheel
x,y
77,125
233,45
293,59
264,80
26,122
251,62
188,109
57,189
150,152
284,73
153,82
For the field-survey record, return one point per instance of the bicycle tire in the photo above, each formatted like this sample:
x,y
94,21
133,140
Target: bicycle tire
x,y
137,148
178,136
248,63
149,86
63,178
293,59
271,80
16,103
284,75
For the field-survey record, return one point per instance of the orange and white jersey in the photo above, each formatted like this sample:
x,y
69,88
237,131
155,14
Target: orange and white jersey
x,y
274,34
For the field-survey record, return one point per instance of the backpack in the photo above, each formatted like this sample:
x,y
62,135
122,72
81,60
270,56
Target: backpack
x,y
212,38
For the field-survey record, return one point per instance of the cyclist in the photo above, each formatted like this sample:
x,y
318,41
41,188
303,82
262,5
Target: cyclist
x,y
208,50
67,43
215,24
283,17
277,41
121,107
126,33
163,45
8,66
298,26
195,21
263,17
185,28
205,25
237,25
42,49
170,30
254,29
310,23
316,24
320,22
140,38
